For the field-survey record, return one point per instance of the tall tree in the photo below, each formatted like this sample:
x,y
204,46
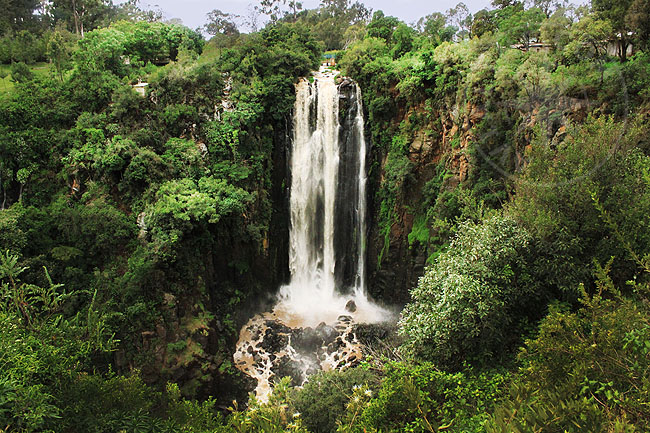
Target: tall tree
x,y
502,4
616,13
132,10
222,26
352,12
555,30
638,19
548,6
436,28
482,23
17,14
83,15
277,9
221,23
460,17
522,27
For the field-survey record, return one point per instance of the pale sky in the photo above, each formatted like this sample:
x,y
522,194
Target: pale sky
x,y
193,12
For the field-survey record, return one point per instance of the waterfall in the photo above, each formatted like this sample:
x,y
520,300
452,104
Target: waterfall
x,y
312,327
327,206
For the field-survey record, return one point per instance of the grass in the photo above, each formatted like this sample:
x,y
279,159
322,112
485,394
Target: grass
x,y
41,69
6,85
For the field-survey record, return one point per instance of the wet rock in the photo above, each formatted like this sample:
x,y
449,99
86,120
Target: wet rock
x,y
346,82
287,367
278,327
379,334
344,319
351,306
326,333
274,341
309,340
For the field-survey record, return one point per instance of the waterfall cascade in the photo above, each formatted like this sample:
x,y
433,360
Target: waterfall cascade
x,y
328,206
311,326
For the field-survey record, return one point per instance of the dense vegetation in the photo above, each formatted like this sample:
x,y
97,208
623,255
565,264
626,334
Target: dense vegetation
x,y
136,232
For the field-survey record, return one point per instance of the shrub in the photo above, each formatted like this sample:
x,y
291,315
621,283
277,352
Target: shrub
x,y
586,370
322,400
421,398
471,301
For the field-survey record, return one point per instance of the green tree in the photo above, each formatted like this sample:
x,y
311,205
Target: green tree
x,y
82,15
58,50
482,23
617,15
588,37
522,27
435,26
277,9
222,26
638,18
585,370
555,30
460,17
17,15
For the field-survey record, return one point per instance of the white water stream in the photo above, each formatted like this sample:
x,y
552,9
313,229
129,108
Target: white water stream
x,y
312,296
316,302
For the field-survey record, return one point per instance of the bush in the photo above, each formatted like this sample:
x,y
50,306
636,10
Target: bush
x,y
473,300
20,73
322,400
569,191
421,398
586,370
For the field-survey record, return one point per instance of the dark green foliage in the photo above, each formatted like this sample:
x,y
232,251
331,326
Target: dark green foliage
x,y
20,73
558,194
322,401
586,370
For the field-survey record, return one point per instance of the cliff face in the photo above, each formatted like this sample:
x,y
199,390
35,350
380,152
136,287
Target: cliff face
x,y
403,262
450,144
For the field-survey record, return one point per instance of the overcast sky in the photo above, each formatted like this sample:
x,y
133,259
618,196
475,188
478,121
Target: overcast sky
x,y
193,12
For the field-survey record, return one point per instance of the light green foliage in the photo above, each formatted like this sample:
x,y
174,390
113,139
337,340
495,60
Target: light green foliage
x,y
616,15
555,30
421,398
275,416
588,37
140,43
470,301
184,158
39,348
184,203
12,237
